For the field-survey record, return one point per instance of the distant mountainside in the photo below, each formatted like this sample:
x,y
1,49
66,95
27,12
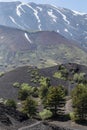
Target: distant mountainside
x,y
69,23
42,49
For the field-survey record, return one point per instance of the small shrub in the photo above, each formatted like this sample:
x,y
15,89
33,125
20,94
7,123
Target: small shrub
x,y
24,91
72,116
16,84
43,90
25,86
42,81
1,74
61,67
35,92
11,103
45,114
79,77
23,94
61,75
57,75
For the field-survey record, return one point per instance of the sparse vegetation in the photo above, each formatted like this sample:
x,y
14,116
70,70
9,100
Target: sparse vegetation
x,y
11,103
44,81
35,76
44,96
61,74
79,77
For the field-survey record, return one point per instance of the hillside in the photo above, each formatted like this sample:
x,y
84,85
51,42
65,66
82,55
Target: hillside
x,y
69,23
33,76
64,74
43,57
41,49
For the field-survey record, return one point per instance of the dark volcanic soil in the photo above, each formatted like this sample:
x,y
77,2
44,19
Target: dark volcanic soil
x,y
28,74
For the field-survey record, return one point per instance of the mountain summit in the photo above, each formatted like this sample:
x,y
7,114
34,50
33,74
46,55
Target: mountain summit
x,y
31,16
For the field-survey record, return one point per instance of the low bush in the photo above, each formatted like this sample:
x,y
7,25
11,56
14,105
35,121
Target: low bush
x,y
1,74
72,116
45,114
16,84
24,91
79,77
11,103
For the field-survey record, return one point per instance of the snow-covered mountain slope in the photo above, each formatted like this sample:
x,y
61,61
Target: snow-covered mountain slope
x,y
71,24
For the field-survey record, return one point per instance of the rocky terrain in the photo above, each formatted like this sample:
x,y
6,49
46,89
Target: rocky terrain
x,y
11,118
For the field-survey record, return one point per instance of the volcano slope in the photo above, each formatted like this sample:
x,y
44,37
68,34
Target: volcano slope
x,y
41,49
59,75
69,23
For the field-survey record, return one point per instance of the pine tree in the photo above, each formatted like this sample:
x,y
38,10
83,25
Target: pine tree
x,y
45,84
29,107
79,101
55,99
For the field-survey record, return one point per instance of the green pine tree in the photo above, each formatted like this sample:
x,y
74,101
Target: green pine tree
x,y
55,99
79,101
29,107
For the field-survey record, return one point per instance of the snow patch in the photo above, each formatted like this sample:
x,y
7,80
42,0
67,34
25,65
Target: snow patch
x,y
66,30
36,15
77,24
2,37
58,31
77,13
19,8
12,19
50,13
35,12
64,17
27,37
39,8
39,26
85,31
